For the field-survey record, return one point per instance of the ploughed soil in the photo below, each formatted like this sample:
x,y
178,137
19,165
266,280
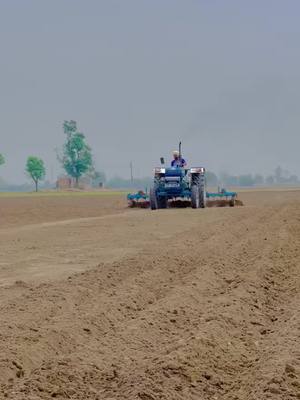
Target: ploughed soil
x,y
101,302
25,210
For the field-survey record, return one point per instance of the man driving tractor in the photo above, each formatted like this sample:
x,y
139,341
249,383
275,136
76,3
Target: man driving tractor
x,y
178,161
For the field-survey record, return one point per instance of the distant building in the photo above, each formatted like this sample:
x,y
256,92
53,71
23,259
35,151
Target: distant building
x,y
66,182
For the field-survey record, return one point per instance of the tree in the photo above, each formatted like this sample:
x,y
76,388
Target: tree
x,y
2,159
77,156
270,180
36,170
97,177
211,178
121,183
228,180
293,179
279,174
258,179
246,180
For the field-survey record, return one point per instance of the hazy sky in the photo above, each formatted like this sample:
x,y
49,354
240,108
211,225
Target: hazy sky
x,y
138,75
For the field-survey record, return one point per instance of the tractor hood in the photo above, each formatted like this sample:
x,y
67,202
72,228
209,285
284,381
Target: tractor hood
x,y
173,171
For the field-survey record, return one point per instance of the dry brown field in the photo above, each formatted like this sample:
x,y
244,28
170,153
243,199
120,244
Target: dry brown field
x,y
101,302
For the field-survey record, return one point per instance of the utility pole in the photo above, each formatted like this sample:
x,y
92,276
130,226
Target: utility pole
x,y
131,171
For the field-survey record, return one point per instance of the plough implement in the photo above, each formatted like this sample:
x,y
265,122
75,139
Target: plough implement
x,y
222,198
138,200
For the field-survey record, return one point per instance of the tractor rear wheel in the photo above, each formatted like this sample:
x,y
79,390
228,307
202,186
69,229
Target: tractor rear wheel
x,y
202,197
153,199
195,196
162,202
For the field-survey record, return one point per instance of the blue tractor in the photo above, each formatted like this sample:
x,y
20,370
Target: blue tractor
x,y
178,183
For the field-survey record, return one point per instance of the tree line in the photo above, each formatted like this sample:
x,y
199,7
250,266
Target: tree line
x,y
279,177
77,161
